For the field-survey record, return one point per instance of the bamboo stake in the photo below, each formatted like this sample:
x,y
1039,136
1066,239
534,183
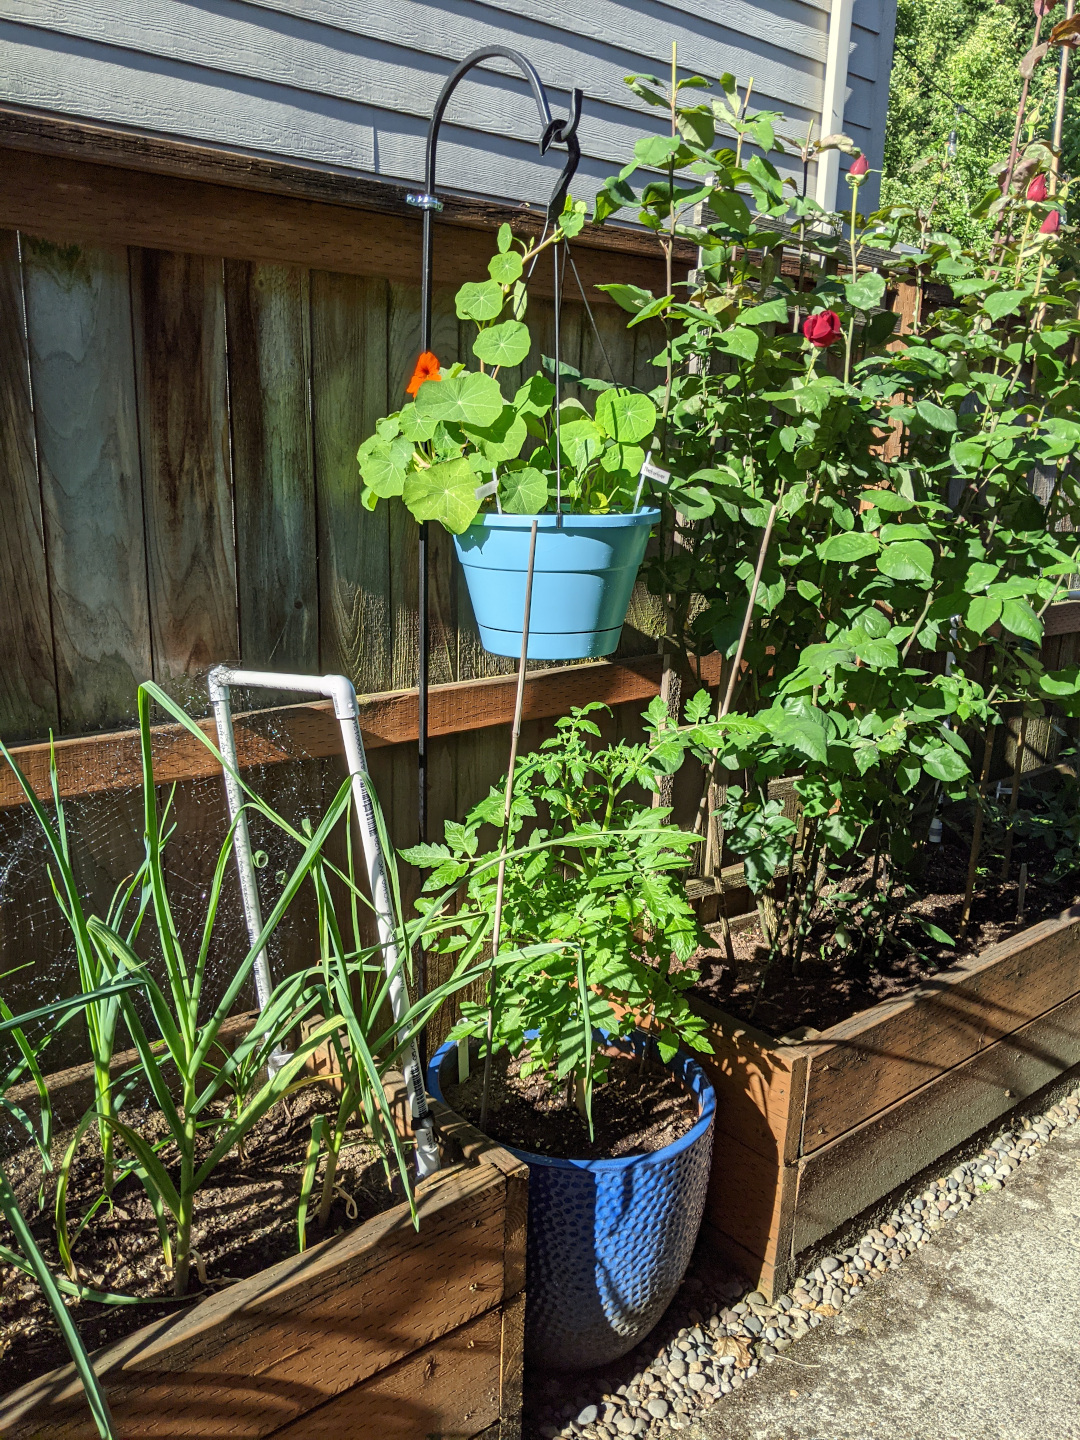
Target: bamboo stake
x,y
1059,117
976,833
1014,795
500,884
710,779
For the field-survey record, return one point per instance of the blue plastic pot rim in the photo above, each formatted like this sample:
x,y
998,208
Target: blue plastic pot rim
x,y
494,521
683,1060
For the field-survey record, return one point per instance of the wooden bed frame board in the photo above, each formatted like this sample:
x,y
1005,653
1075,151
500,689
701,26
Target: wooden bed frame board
x,y
811,1132
414,1328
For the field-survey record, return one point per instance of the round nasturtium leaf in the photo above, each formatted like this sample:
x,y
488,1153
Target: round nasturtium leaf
x,y
505,268
524,492
415,425
383,465
535,396
504,442
445,492
625,416
582,442
465,399
479,300
506,344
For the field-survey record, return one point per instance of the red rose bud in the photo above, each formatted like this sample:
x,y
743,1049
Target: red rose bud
x,y
1037,189
822,329
1050,224
859,166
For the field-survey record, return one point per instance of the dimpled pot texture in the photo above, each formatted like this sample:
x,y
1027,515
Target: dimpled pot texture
x,y
609,1240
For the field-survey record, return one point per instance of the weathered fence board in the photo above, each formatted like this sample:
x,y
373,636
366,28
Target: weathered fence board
x,y
83,377
268,322
179,310
27,667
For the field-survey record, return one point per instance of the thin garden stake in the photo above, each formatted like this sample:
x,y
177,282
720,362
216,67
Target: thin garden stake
x,y
710,779
976,833
500,883
1014,795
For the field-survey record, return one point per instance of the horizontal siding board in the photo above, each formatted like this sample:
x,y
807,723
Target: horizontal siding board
x,y
328,83
367,71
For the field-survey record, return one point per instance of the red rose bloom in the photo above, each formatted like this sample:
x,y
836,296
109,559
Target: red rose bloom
x,y
1050,224
822,329
859,166
1037,189
427,368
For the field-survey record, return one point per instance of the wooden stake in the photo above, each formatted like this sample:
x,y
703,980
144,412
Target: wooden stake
x,y
1014,795
500,884
976,833
1021,893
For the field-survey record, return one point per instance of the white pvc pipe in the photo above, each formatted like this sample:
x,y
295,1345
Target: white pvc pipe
x,y
340,690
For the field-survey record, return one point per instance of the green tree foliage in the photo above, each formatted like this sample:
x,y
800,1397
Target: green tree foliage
x,y
966,53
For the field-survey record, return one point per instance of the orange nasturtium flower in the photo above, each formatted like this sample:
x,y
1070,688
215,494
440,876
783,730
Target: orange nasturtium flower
x,y
427,368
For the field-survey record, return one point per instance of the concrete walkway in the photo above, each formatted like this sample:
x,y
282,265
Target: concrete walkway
x,y
974,1337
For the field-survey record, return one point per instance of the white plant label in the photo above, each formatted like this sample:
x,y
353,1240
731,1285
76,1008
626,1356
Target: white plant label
x,y
652,472
483,491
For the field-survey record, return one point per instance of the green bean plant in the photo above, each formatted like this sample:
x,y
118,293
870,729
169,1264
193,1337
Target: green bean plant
x,y
594,878
855,526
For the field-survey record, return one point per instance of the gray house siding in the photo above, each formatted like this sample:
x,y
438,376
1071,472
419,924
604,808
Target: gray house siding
x,y
349,84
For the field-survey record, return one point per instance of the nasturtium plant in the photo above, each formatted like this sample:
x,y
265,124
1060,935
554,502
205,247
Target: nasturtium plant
x,y
466,442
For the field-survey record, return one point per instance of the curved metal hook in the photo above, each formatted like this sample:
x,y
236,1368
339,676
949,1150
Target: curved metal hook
x,y
553,132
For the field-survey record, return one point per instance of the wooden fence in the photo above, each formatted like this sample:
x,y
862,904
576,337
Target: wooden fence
x,y
188,363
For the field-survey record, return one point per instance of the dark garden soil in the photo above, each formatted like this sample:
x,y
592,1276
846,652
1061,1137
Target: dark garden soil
x,y
633,1113
245,1220
839,975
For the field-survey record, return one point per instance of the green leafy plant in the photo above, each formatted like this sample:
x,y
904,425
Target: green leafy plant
x,y
877,605
28,1257
207,1094
460,445
592,897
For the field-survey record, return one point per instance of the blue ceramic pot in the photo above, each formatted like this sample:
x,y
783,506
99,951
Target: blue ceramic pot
x,y
609,1240
582,580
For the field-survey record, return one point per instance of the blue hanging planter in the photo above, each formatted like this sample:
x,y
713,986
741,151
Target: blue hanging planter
x,y
609,1240
582,580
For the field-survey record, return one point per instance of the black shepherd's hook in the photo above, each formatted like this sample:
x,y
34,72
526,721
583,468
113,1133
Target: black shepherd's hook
x,y
553,132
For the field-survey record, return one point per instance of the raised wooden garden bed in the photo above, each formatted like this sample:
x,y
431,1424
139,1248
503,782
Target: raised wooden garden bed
x,y
812,1131
382,1331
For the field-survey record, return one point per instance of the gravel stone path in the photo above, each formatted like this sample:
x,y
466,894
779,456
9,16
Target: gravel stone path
x,y
976,1337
